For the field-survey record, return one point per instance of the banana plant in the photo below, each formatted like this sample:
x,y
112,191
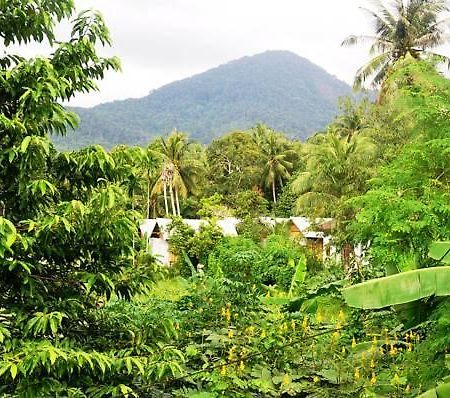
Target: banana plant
x,y
299,275
442,390
404,287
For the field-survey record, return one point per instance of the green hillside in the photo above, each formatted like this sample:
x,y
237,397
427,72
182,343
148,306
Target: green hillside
x,y
277,88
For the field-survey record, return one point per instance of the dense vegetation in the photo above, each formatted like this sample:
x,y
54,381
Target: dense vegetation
x,y
86,311
277,87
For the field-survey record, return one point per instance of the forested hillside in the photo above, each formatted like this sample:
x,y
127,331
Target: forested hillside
x,y
278,88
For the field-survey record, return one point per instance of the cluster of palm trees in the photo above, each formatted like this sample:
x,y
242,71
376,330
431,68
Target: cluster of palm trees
x,y
179,165
335,163
178,171
278,158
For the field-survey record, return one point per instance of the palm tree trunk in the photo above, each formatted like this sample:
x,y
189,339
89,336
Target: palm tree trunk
x,y
166,205
178,202
148,198
274,193
172,199
132,208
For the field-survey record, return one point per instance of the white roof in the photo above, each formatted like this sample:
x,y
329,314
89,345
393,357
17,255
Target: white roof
x,y
194,224
148,226
302,223
228,226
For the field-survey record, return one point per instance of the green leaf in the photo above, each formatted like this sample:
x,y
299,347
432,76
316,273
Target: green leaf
x,y
299,275
441,391
399,289
25,143
440,251
13,370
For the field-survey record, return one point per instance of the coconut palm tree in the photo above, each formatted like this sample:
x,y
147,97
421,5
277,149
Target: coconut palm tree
x,y
178,172
407,28
278,158
353,119
336,168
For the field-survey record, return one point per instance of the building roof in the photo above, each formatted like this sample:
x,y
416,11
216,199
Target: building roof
x,y
148,226
309,229
226,225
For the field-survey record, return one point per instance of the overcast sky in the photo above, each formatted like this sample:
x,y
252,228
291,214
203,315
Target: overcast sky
x,y
160,41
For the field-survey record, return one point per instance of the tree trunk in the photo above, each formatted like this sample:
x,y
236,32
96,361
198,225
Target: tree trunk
x,y
172,199
274,193
166,205
148,198
178,202
132,208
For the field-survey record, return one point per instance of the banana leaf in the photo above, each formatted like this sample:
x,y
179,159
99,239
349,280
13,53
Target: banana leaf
x,y
441,391
440,251
399,289
299,275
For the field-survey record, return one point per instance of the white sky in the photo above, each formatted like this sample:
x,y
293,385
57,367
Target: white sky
x,y
160,41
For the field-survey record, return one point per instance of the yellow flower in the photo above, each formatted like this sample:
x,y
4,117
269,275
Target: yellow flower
x,y
393,350
230,334
373,380
372,363
319,317
408,388
305,323
241,366
286,380
353,343
336,336
223,370
396,379
357,374
293,325
343,350
341,316
177,326
263,334
231,353
250,330
316,379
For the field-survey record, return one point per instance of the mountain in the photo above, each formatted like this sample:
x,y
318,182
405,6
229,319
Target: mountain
x,y
278,88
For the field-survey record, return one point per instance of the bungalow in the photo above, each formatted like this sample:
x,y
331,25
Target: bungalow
x,y
156,231
316,234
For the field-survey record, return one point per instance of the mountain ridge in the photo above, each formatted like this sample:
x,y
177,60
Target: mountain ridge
x,y
279,88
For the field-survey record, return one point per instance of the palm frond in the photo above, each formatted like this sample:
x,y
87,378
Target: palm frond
x,y
373,66
355,40
302,183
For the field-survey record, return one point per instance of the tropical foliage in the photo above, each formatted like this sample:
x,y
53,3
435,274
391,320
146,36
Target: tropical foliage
x,y
87,311
411,28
